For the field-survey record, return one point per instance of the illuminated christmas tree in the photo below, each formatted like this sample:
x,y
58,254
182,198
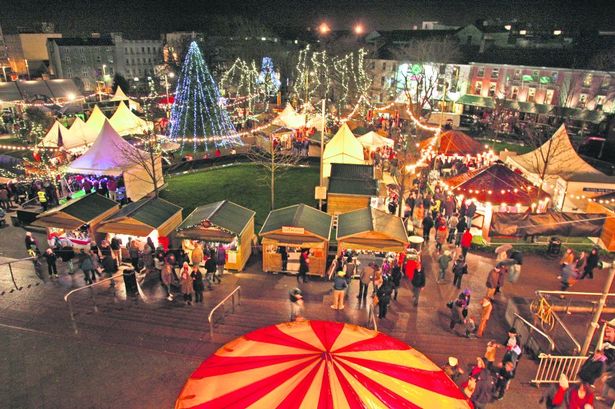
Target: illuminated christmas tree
x,y
197,114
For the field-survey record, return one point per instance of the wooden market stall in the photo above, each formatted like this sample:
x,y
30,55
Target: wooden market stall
x,y
221,222
351,187
371,229
605,204
149,217
77,219
291,229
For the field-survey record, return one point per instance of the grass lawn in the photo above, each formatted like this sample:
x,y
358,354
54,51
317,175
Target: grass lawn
x,y
500,146
244,185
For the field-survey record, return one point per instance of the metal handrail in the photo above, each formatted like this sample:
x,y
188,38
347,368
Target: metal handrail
x,y
11,268
211,314
532,326
90,286
581,293
567,331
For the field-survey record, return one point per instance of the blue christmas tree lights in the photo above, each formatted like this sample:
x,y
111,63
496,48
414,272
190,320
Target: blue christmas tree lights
x,y
198,113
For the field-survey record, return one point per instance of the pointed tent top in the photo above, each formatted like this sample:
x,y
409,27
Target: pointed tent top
x,y
109,155
125,122
51,138
342,148
80,134
455,143
119,95
96,119
374,140
289,118
560,158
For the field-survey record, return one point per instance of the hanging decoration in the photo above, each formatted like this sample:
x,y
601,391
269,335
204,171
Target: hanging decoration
x,y
197,111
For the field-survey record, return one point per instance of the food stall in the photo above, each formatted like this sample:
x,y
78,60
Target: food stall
x,y
351,187
291,229
76,220
372,230
149,217
221,222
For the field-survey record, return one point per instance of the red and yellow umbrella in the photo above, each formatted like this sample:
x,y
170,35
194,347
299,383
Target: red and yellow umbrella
x,y
319,364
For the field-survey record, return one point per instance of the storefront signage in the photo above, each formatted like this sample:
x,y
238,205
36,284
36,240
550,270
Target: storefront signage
x,y
293,230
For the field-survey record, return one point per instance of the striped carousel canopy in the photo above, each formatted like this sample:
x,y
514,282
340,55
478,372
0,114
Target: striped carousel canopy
x,y
319,364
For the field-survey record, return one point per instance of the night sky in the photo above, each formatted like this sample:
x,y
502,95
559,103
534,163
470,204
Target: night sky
x,y
156,15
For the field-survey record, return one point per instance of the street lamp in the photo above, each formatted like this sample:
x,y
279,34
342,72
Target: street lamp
x,y
358,29
324,28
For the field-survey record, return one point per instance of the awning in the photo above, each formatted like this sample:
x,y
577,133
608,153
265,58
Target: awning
x,y
477,101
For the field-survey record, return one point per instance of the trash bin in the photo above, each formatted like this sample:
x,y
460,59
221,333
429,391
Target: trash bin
x,y
555,246
130,282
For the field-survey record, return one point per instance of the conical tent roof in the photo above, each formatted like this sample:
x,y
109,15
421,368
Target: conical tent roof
x,y
342,148
496,184
80,134
125,122
51,138
96,120
109,155
121,96
455,143
374,140
289,118
557,157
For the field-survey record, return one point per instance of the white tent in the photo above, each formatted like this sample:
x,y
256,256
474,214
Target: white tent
x,y
374,140
96,120
289,118
80,134
342,148
125,122
121,96
51,138
567,177
111,155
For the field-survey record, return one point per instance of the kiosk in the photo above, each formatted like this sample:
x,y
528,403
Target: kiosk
x,y
370,229
76,220
221,222
291,229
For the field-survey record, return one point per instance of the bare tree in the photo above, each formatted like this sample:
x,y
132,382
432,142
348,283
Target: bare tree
x,y
146,157
426,61
275,161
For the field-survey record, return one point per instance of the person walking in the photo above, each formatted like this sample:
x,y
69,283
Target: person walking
x,y
456,312
395,278
339,287
87,266
197,283
51,258
418,282
365,278
296,304
466,242
186,285
220,260
67,254
441,235
443,261
592,262
503,378
166,276
116,248
427,225
486,308
210,271
43,199
493,280
196,255
134,254
483,391
384,297
304,265
460,268
515,268
31,245
452,223
148,259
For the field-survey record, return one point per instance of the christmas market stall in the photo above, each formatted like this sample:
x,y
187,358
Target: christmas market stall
x,y
76,220
112,156
605,204
149,217
497,189
561,172
371,230
351,187
288,231
319,364
225,223
453,143
342,148
125,122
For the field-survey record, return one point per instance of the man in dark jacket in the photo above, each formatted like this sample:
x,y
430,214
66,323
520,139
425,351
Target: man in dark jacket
x,y
592,262
593,368
418,282
427,225
395,278
51,258
67,254
384,297
483,393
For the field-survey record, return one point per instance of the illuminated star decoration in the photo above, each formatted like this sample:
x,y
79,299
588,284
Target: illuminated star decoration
x,y
197,113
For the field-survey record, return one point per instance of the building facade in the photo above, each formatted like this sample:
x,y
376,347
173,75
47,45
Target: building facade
x,y
136,58
27,53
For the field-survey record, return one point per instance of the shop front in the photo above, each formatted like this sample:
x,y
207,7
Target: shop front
x,y
149,218
221,223
288,231
75,222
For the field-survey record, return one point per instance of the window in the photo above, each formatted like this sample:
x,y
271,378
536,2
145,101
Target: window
x,y
83,59
67,58
582,100
548,96
481,72
98,59
600,99
384,66
477,87
517,75
531,94
495,72
84,72
127,61
69,72
587,80
382,81
126,50
606,81
514,92
492,88
143,50
149,50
